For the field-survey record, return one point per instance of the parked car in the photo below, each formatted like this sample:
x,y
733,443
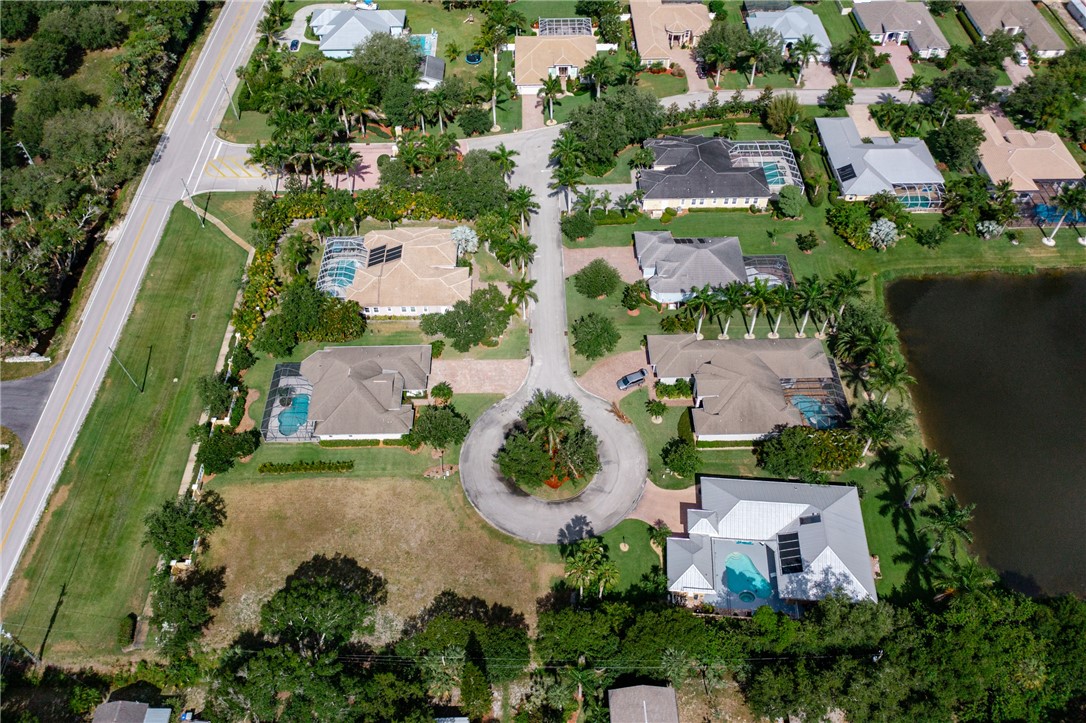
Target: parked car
x,y
294,45
1021,55
701,71
633,379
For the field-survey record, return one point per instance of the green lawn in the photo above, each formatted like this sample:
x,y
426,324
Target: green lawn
x,y
535,9
632,328
839,27
655,436
953,27
88,568
1057,25
662,85
638,560
734,80
564,106
619,174
929,72
884,77
233,209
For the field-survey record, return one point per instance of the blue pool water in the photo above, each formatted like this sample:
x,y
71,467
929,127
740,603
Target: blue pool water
x,y
773,175
426,44
915,202
1051,214
293,417
744,579
817,413
342,273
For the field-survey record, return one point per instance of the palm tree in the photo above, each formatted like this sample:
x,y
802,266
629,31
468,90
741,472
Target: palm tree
x,y
949,522
810,298
521,292
567,150
277,11
587,200
891,378
268,29
880,423
522,202
758,48
551,416
566,178
717,55
604,201
627,202
341,161
959,577
802,51
702,303
435,148
440,105
520,251
844,287
928,469
858,48
493,86
783,301
759,298
419,107
607,576
503,157
914,84
1071,200
551,89
733,298
598,69
630,67
1004,207
580,571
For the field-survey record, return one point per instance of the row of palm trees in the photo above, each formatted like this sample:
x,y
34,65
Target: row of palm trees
x,y
591,200
302,154
810,297
587,565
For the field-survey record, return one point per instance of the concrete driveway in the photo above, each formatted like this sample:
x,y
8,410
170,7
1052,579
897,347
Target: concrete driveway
x,y
899,60
296,31
818,76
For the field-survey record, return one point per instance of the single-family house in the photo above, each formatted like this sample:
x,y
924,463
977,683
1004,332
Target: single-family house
x,y
754,542
745,388
902,23
1014,17
664,32
792,24
643,704
675,267
1034,163
341,31
346,392
537,57
127,711
702,172
1077,10
400,272
864,167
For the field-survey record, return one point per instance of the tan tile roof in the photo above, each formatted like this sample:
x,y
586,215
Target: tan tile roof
x,y
993,15
426,274
652,19
1024,158
535,55
358,390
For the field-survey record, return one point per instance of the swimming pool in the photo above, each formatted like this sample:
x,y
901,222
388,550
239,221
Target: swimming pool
x,y
426,44
773,175
819,414
1051,214
341,273
914,202
744,580
293,417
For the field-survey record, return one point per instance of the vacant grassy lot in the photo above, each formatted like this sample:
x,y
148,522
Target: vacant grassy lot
x,y
421,535
632,328
735,80
86,567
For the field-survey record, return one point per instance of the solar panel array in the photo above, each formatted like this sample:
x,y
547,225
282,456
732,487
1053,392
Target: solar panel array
x,y
846,173
383,254
565,26
702,240
788,548
810,519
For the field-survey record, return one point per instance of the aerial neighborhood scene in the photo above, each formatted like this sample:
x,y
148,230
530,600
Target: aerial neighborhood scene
x,y
543,360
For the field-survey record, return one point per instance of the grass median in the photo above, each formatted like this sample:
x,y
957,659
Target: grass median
x,y
86,567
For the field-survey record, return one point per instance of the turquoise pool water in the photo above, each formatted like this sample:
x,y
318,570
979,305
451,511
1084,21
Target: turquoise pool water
x,y
1051,214
817,413
426,44
293,417
773,175
744,579
915,202
341,273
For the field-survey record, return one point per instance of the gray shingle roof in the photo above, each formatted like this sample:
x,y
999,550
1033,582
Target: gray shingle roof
x,y
683,264
792,24
699,167
888,16
876,166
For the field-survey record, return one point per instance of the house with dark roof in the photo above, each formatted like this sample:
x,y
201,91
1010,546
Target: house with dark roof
x,y
754,542
1077,10
1014,17
675,267
643,704
341,31
126,711
744,389
902,23
701,172
866,166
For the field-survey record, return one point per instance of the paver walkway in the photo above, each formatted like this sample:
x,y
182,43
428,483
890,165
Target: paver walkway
x,y
667,505
899,60
532,112
818,76
480,376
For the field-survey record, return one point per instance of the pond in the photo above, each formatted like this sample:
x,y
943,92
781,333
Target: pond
x,y
1000,363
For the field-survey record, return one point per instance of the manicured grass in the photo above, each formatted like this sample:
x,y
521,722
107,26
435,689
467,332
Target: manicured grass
x,y
655,436
535,9
953,26
564,105
86,567
884,77
233,209
662,85
929,72
250,128
1057,25
734,80
638,560
632,328
488,267
839,27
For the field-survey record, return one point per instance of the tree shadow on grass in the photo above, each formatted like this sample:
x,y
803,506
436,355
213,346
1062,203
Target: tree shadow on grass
x,y
460,607
346,573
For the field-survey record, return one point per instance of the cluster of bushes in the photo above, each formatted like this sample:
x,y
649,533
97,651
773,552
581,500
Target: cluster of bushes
x,y
308,315
614,217
550,443
594,335
669,215
624,116
808,454
341,443
222,446
679,389
713,109
482,319
877,223
576,226
319,465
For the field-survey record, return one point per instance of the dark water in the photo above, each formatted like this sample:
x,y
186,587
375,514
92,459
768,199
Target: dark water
x,y
1000,363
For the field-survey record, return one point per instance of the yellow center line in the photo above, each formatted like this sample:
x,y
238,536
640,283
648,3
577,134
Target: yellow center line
x,y
75,382
215,66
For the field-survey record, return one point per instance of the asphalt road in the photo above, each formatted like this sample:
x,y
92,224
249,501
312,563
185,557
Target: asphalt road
x,y
182,154
24,399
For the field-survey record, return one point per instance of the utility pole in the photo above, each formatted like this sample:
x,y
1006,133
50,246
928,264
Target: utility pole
x,y
188,196
230,95
125,369
25,152
19,644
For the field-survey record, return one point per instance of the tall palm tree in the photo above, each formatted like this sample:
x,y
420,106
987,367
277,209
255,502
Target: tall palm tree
x,y
493,86
599,70
1071,200
521,292
964,577
551,89
435,148
277,11
419,107
914,84
567,150
929,468
759,298
844,287
802,51
587,200
268,29
503,157
604,201
810,298
702,303
880,423
948,522
520,251
890,378
566,179
607,576
522,202
858,48
441,105
1004,207
732,298
627,202
630,67
784,300
717,56
580,571
341,161
552,417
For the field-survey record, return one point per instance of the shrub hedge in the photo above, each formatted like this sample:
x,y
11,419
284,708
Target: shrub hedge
x,y
319,465
680,389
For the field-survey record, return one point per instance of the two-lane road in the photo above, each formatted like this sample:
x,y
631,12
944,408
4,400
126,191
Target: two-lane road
x,y
182,153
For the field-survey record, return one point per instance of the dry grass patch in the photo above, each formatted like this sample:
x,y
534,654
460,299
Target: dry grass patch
x,y
726,704
422,536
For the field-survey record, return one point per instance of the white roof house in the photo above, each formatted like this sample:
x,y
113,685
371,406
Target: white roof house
x,y
756,542
1077,9
793,24
341,31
